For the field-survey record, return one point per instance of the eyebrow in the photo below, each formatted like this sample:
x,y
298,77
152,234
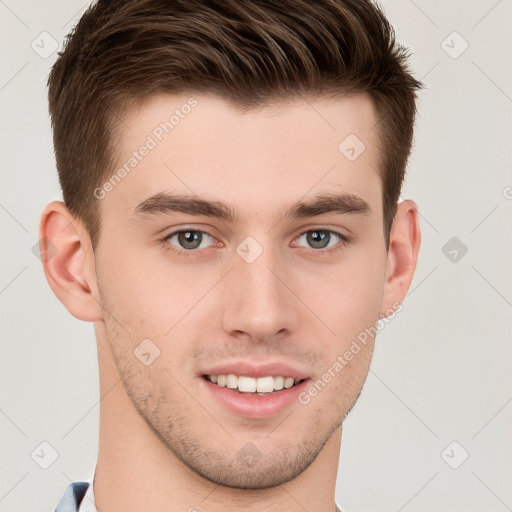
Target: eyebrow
x,y
164,203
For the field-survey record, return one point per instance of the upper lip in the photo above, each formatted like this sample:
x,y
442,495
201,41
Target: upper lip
x,y
247,369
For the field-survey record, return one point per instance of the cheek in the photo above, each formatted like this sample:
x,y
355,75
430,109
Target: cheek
x,y
128,285
151,299
349,304
352,292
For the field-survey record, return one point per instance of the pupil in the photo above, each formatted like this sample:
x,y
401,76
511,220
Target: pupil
x,y
189,239
318,237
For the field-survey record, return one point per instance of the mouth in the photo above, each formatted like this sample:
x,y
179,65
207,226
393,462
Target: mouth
x,y
254,389
261,386
254,397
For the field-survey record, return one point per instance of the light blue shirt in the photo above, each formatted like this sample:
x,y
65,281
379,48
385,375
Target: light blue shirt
x,y
72,498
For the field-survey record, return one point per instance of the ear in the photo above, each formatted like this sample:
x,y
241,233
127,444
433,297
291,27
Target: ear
x,y
404,245
68,261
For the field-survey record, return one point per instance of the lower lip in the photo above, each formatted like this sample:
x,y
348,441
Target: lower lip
x,y
254,406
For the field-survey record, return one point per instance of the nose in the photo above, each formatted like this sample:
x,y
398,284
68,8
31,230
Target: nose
x,y
261,303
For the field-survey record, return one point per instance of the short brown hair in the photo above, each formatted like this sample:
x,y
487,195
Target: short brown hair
x,y
249,52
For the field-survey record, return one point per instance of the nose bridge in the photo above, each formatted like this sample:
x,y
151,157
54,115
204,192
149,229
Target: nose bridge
x,y
261,304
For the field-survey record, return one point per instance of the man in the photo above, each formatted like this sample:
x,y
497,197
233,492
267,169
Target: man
x,y
231,173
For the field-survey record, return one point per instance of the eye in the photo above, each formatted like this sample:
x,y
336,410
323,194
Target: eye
x,y
323,239
187,241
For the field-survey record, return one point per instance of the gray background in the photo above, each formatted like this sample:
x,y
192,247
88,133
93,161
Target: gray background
x,y
441,372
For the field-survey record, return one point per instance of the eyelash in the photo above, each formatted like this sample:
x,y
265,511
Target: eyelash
x,y
194,253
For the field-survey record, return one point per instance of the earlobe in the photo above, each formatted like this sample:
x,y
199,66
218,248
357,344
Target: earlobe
x,y
404,245
68,261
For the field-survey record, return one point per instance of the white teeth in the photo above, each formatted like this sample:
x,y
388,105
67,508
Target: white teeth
x,y
288,382
231,381
265,384
278,383
246,384
261,385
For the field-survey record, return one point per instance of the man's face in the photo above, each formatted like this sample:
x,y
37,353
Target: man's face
x,y
260,288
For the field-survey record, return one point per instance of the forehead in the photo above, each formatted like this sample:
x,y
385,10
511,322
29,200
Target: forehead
x,y
201,144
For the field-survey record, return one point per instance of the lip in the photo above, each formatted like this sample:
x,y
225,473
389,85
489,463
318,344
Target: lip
x,y
246,369
254,406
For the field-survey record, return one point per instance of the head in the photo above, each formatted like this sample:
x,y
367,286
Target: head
x,y
275,135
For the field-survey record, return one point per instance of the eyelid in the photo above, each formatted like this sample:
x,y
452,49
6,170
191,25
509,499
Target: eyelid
x,y
324,228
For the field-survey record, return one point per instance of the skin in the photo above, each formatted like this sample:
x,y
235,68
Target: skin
x,y
164,443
